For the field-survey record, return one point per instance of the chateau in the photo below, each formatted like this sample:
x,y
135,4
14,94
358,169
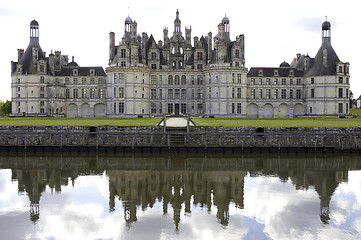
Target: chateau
x,y
146,78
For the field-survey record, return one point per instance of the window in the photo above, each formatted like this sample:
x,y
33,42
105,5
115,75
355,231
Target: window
x,y
275,72
41,110
121,107
200,80
199,93
154,56
160,108
237,64
184,80
170,80
253,81
121,92
160,93
170,93
291,93
239,106
233,106
260,81
176,93
199,108
115,93
160,79
312,92
75,81
268,93
291,81
101,93
283,93
310,109
123,64
312,80
340,108
42,103
268,81
153,108
180,64
153,79
260,73
192,93
83,81
340,69
192,79
239,78
340,80
275,94
183,108
170,108
153,66
174,64
92,80
346,107
298,81
83,93
284,81
184,93
233,93
199,66
199,56
291,72
123,53
115,108
236,53
340,92
41,89
153,93
41,80
260,93
253,93
276,81
176,80
67,93
239,91
92,93
347,93
75,93
298,93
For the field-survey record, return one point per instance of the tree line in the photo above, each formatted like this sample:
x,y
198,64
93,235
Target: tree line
x,y
5,108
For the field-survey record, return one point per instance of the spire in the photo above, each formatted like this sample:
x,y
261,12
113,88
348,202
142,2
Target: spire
x,y
326,31
177,24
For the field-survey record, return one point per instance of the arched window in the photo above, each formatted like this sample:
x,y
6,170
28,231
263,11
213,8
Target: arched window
x,y
173,50
184,80
181,50
170,80
176,80
180,64
174,64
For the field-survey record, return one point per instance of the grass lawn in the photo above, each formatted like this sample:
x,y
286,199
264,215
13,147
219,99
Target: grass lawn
x,y
283,122
211,122
43,121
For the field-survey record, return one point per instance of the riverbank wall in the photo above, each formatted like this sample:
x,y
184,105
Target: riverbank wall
x,y
195,139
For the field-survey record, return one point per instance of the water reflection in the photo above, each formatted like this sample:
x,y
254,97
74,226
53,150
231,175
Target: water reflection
x,y
180,183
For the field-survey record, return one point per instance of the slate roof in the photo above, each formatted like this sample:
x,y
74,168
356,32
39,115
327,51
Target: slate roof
x,y
27,58
318,66
269,72
82,71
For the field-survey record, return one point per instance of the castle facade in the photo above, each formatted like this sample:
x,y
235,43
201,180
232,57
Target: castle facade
x,y
149,79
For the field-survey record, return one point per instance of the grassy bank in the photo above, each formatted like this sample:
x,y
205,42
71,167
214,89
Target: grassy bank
x,y
212,122
124,122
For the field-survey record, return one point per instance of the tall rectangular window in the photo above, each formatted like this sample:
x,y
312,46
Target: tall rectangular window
x,y
101,93
170,93
239,106
75,93
340,92
121,107
184,93
239,92
153,93
160,93
312,92
233,108
291,93
123,53
239,78
183,108
176,93
67,93
253,93
170,108
298,93
268,93
340,108
83,93
260,93
153,79
199,108
92,93
121,92
153,108
283,93
275,94
121,77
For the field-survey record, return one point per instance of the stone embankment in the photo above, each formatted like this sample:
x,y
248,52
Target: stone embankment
x,y
155,139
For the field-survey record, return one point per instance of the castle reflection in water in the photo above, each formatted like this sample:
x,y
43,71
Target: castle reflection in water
x,y
179,181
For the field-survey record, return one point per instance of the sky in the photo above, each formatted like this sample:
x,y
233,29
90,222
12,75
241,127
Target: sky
x,y
275,31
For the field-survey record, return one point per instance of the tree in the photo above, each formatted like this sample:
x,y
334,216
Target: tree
x,y
352,101
5,108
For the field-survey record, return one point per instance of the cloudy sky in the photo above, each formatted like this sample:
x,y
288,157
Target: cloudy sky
x,y
275,31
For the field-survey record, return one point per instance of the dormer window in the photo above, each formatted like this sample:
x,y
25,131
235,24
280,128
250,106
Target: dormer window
x,y
123,53
75,72
260,73
92,72
340,69
291,72
275,72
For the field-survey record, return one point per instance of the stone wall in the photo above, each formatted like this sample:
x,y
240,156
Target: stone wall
x,y
198,137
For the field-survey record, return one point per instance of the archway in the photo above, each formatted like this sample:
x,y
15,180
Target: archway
x,y
85,110
283,111
72,110
100,110
252,110
298,110
268,110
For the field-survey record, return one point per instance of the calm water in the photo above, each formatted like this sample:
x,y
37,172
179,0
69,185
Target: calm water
x,y
180,197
